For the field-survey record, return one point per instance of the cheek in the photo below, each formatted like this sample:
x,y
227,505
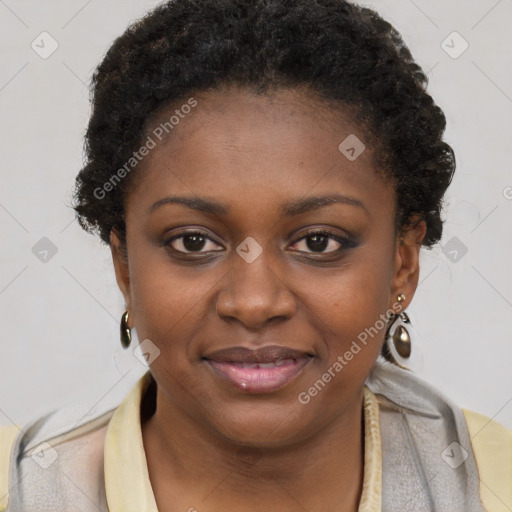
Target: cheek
x,y
166,303
169,307
349,309
173,307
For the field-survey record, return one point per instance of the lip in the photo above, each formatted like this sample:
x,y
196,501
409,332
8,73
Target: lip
x,y
266,354
263,370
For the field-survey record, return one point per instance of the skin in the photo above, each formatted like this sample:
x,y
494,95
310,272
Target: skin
x,y
209,445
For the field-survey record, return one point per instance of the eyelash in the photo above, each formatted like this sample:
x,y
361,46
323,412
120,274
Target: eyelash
x,y
345,242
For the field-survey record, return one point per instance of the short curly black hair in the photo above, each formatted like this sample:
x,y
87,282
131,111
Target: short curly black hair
x,y
342,52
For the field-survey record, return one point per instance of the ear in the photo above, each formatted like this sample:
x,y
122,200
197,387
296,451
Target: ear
x,y
407,261
120,261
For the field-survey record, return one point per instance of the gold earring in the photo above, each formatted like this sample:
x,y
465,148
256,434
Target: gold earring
x,y
397,346
126,332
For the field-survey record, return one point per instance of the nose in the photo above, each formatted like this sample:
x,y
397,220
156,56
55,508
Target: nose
x,y
254,294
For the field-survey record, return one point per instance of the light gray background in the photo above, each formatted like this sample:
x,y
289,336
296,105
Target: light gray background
x,y
60,318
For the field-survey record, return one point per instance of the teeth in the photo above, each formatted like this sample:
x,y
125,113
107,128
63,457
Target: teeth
x,y
277,362
267,365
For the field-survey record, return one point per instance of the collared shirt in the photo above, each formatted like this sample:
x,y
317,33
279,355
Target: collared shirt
x,y
123,471
123,465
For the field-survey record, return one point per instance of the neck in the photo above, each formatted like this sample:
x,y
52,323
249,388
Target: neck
x,y
323,472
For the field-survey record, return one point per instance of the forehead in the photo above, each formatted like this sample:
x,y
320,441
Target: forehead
x,y
236,144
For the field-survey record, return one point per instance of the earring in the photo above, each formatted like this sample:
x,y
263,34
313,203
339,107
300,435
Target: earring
x,y
397,346
126,332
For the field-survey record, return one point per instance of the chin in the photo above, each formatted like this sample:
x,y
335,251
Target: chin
x,y
258,429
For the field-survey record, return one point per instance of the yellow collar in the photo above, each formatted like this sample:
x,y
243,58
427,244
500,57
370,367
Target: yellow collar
x,y
127,483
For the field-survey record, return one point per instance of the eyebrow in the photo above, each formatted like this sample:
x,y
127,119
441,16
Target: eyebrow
x,y
289,209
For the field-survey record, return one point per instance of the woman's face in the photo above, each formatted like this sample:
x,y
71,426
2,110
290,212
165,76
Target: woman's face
x,y
237,264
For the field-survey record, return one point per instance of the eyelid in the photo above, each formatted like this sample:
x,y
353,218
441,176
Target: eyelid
x,y
191,231
345,241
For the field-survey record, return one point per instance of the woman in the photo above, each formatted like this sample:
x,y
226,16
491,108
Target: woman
x,y
265,173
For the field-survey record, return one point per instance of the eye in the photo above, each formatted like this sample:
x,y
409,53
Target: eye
x,y
191,242
323,242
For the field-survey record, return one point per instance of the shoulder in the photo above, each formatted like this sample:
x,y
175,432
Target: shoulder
x,y
492,447
64,441
484,473
7,437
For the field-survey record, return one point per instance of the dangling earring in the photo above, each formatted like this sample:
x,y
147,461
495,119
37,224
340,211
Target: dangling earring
x,y
397,346
126,332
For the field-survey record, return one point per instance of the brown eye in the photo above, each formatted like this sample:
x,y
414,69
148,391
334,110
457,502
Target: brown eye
x,y
323,242
191,242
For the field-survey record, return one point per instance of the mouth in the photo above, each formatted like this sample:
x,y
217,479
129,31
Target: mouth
x,y
264,370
